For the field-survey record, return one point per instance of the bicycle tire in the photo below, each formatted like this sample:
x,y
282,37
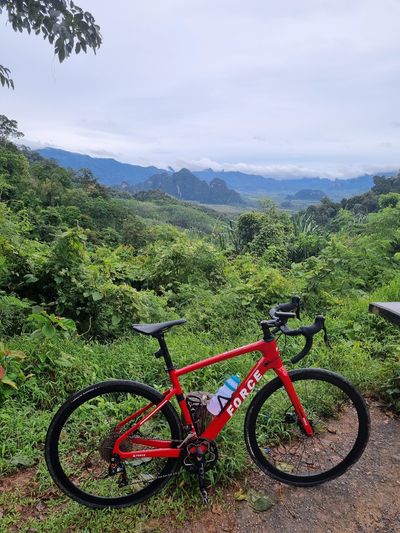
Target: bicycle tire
x,y
52,447
283,471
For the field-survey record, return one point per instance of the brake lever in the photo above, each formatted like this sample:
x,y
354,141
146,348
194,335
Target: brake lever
x,y
326,338
296,301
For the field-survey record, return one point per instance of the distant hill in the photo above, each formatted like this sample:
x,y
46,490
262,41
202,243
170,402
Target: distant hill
x,y
186,186
253,184
107,171
113,173
307,194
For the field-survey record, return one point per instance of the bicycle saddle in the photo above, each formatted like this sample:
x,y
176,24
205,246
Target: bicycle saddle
x,y
158,328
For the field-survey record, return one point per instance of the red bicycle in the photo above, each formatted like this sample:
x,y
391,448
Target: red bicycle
x,y
117,443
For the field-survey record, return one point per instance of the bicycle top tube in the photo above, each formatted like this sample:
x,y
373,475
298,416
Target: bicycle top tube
x,y
269,351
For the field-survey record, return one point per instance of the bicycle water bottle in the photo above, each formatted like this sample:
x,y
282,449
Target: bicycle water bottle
x,y
223,394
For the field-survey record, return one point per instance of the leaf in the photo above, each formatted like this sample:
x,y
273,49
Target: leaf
x,y
240,495
262,504
96,295
67,324
37,318
285,466
2,373
36,333
115,320
65,362
17,354
9,382
21,460
48,330
30,278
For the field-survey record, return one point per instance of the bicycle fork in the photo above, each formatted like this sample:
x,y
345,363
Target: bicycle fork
x,y
289,387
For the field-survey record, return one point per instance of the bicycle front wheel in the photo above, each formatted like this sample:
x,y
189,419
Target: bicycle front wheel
x,y
337,413
82,434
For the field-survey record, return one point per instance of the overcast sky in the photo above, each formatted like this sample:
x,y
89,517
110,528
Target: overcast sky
x,y
300,87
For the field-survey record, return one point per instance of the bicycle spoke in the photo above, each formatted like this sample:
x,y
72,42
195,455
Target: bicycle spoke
x,y
88,438
334,422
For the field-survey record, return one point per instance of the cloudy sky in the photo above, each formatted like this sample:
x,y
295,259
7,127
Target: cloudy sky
x,y
300,87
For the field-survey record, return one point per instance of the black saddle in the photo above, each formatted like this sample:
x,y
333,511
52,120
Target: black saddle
x,y
158,329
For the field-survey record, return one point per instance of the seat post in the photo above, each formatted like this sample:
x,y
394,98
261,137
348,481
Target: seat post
x,y
165,352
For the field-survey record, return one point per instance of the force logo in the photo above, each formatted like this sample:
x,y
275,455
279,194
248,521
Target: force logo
x,y
248,387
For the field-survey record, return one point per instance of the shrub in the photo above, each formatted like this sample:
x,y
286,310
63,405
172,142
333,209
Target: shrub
x,y
13,313
117,307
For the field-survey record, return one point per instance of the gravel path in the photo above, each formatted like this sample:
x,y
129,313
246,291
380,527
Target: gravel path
x,y
365,499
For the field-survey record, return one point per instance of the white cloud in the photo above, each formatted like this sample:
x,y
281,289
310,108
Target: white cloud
x,y
306,86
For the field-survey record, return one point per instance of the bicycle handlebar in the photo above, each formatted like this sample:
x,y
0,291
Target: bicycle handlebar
x,y
281,313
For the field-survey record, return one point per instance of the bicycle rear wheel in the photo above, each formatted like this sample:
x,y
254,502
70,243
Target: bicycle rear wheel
x,y
337,413
81,436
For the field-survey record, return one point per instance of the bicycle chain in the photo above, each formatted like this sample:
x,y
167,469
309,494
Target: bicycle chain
x,y
181,441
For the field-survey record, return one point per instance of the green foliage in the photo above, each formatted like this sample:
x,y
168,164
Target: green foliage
x,y
165,267
391,382
8,127
384,185
5,79
48,326
257,283
391,199
134,232
10,370
306,240
64,24
120,306
266,233
14,172
324,212
13,314
369,202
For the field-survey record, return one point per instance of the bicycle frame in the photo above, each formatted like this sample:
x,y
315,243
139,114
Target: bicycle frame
x,y
162,448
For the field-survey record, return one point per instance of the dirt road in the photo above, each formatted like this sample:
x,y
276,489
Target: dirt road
x,y
366,499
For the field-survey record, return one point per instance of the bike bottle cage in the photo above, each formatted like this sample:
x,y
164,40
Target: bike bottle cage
x,y
220,399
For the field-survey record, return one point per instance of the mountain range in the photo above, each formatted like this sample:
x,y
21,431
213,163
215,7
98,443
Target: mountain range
x,y
108,171
186,186
113,173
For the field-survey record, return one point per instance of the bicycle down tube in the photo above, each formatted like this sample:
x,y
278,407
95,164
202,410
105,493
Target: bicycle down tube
x,y
162,448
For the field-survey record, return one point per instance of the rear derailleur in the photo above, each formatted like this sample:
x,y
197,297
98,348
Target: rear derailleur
x,y
200,455
118,467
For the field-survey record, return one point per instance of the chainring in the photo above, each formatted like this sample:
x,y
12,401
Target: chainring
x,y
190,459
